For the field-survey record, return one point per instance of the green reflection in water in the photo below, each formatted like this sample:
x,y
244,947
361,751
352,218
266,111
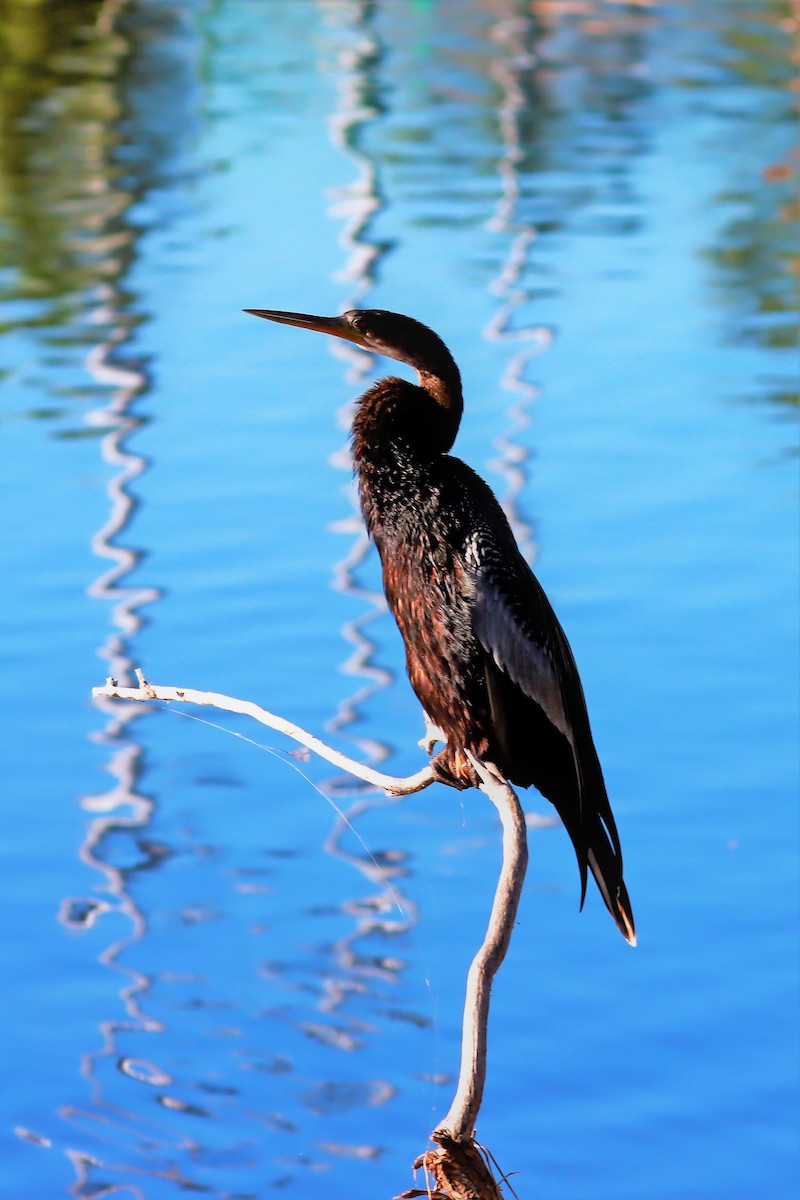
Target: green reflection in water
x,y
58,111
756,258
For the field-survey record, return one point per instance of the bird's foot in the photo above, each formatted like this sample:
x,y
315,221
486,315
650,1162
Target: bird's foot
x,y
452,768
487,772
433,734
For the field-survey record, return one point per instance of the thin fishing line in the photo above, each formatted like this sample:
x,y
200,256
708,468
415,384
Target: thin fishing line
x,y
281,755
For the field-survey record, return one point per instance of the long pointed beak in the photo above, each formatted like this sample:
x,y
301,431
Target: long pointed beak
x,y
337,326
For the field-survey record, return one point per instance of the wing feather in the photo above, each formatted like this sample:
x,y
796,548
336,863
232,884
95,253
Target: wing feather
x,y
515,623
508,635
541,729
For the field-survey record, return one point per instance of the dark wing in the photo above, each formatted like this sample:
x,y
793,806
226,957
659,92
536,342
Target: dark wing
x,y
538,708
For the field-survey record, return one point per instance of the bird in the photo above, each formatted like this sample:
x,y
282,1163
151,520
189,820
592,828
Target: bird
x,y
485,652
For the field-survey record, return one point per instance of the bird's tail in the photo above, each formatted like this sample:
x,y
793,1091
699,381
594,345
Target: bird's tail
x,y
605,863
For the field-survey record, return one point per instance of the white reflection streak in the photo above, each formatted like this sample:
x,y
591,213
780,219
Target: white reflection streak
x,y
129,384
513,34
357,204
125,762
122,807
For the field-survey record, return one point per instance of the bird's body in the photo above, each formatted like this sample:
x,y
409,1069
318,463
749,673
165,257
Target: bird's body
x,y
485,652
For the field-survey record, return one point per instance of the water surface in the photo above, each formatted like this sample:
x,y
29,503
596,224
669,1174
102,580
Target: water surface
x,y
211,984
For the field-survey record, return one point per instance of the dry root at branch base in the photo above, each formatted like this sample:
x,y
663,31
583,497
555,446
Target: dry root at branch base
x,y
456,1171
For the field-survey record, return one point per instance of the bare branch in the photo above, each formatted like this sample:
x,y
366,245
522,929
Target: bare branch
x,y
459,1124
391,784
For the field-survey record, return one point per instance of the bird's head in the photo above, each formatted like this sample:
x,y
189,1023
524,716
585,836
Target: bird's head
x,y
387,333
407,340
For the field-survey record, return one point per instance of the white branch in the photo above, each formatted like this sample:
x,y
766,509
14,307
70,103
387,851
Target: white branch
x,y
459,1123
149,691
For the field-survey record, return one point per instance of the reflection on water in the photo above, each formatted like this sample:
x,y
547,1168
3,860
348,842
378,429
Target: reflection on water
x,y
387,914
517,40
262,1021
355,54
58,131
756,261
71,178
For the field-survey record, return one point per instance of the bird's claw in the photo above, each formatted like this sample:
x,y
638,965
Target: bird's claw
x,y
487,772
433,734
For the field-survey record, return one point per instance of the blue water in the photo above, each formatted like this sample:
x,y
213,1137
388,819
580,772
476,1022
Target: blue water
x,y
211,985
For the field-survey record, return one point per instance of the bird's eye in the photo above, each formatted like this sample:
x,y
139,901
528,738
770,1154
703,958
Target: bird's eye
x,y
361,325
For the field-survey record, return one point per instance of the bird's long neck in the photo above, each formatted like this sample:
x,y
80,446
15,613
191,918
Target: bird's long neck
x,y
422,420
400,430
444,386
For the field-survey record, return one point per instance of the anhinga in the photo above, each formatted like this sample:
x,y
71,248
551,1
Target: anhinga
x,y
485,653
